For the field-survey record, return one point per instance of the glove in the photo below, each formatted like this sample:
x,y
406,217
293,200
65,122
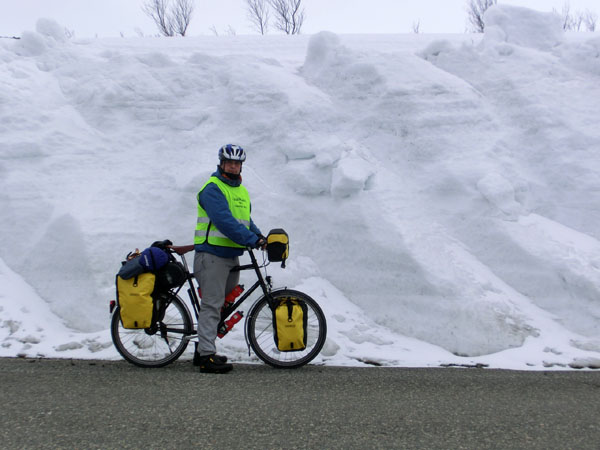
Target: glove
x,y
261,243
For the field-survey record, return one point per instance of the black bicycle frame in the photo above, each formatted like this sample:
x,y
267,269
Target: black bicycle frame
x,y
264,283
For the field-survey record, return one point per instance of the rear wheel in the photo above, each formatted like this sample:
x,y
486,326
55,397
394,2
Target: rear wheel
x,y
261,335
159,345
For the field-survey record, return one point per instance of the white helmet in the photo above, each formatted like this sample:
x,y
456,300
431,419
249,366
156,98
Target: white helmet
x,y
232,153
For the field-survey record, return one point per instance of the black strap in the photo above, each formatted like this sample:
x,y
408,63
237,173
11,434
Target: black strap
x,y
208,231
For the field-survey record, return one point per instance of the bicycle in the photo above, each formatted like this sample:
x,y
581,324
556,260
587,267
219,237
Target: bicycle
x,y
168,337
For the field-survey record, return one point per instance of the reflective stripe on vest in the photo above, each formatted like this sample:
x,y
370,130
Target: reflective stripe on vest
x,y
238,200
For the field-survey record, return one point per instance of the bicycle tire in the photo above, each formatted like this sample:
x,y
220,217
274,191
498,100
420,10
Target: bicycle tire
x,y
154,348
259,329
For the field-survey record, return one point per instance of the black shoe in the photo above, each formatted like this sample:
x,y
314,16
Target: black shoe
x,y
221,358
211,364
196,361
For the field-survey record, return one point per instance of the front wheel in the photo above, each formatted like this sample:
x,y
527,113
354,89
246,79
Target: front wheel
x,y
160,344
259,329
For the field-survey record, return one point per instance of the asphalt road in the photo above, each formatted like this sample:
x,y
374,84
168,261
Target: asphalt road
x,y
99,404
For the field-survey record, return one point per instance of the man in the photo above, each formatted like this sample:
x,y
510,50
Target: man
x,y
223,231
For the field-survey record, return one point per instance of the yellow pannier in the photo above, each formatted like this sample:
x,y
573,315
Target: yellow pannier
x,y
289,325
134,297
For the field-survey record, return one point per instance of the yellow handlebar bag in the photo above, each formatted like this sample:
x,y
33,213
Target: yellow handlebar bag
x,y
278,246
134,297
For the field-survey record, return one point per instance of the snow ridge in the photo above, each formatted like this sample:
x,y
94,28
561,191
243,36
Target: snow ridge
x,y
439,191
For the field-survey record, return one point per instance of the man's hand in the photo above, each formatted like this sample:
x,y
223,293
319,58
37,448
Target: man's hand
x,y
261,243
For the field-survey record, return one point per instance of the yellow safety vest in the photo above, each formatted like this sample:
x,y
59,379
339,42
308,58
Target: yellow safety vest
x,y
238,200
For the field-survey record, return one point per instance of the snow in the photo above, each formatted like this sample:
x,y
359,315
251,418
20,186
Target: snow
x,y
523,27
441,192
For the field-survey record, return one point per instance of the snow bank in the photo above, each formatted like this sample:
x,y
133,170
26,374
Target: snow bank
x,y
584,56
523,27
51,29
437,190
29,328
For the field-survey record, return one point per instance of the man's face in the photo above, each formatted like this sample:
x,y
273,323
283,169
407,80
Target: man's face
x,y
234,167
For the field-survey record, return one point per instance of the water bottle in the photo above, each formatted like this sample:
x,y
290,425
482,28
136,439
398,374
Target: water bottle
x,y
230,298
229,323
235,293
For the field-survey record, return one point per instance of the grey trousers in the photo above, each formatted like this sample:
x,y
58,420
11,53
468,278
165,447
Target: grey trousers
x,y
215,280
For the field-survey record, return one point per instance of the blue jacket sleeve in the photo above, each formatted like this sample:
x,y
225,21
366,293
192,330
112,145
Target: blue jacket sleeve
x,y
215,204
254,228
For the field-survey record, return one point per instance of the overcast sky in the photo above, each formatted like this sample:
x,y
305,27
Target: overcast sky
x,y
105,18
